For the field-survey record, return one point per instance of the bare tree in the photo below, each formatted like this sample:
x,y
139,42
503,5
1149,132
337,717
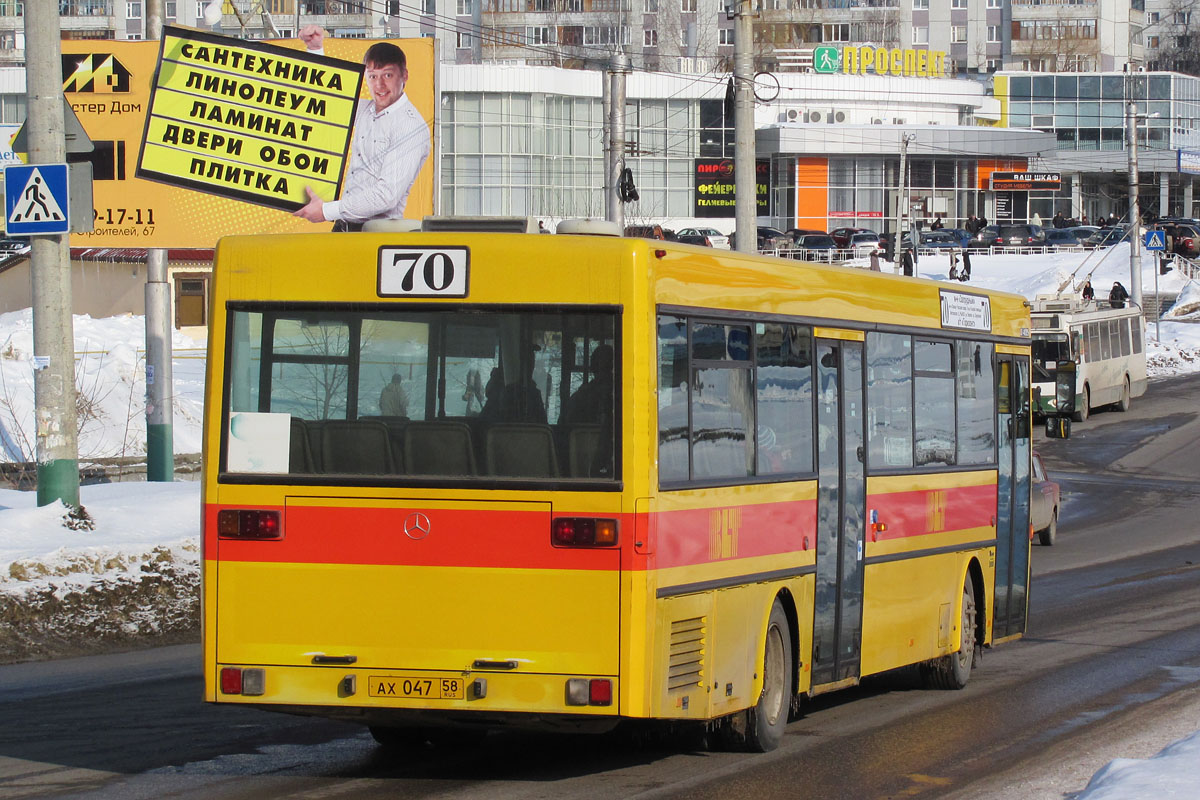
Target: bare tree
x,y
1178,34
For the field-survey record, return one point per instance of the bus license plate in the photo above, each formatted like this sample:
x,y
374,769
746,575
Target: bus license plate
x,y
416,688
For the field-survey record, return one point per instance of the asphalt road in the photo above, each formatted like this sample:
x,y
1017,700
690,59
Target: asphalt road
x,y
1113,649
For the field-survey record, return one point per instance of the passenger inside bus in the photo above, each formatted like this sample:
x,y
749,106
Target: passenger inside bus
x,y
593,401
522,401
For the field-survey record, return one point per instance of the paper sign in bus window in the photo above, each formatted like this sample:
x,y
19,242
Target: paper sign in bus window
x,y
259,442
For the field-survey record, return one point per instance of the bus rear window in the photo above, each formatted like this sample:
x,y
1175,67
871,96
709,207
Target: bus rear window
x,y
447,394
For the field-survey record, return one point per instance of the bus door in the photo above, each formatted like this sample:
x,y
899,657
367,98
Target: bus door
x,y
1012,501
841,504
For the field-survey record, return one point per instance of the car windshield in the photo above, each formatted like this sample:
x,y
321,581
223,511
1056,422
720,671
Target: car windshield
x,y
864,237
817,241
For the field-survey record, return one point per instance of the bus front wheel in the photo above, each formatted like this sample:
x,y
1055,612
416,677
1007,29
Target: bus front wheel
x,y
1084,407
953,671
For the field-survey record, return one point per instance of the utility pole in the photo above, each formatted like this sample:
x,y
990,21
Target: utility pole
x,y
611,201
160,445
1135,213
901,207
50,257
616,124
745,177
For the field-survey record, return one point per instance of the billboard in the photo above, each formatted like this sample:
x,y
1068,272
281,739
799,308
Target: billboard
x,y
108,84
715,189
248,120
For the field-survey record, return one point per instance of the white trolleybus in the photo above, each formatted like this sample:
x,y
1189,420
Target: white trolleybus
x,y
1105,343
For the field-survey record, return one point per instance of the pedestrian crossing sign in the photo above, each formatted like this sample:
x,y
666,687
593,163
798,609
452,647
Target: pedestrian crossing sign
x,y
1156,240
36,199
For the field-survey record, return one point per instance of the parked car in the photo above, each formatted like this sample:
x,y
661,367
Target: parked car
x,y
842,235
1105,237
939,239
863,244
1019,236
1061,237
1181,239
1043,511
645,232
770,239
961,235
714,236
816,241
1082,231
693,238
796,233
985,239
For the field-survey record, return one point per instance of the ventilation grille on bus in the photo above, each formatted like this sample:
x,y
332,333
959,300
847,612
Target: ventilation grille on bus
x,y
686,667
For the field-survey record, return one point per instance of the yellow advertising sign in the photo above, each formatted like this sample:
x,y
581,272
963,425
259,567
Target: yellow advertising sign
x,y
238,118
108,84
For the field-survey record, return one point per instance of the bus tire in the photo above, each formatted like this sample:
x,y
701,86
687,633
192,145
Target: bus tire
x,y
760,729
1083,406
953,671
1048,534
1126,397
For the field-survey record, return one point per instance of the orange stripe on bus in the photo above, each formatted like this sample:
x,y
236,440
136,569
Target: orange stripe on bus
x,y
928,511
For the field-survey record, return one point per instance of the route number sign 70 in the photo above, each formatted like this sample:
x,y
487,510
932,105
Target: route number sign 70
x,y
423,271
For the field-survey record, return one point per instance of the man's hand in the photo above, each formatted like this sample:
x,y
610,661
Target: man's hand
x,y
314,210
313,37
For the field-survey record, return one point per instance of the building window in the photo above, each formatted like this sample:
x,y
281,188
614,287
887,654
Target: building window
x,y
1182,17
1152,42
133,10
1151,17
462,40
920,4
650,38
993,33
539,35
995,3
464,8
958,3
12,9
687,5
169,8
650,6
725,36
994,64
836,33
958,34
920,35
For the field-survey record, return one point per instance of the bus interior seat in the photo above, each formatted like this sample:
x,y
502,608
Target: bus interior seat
x,y
583,442
358,447
314,443
523,450
299,452
435,447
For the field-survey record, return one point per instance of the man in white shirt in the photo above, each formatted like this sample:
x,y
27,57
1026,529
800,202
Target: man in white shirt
x,y
391,143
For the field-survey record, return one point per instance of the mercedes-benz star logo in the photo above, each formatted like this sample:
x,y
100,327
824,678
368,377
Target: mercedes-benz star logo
x,y
416,525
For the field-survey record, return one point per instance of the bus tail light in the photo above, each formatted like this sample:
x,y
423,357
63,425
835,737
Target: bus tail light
x,y
583,532
248,682
585,692
247,523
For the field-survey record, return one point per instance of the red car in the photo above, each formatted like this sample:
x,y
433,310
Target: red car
x,y
1043,509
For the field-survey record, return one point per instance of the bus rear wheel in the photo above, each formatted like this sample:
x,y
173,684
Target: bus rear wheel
x,y
760,729
1084,406
1126,397
953,671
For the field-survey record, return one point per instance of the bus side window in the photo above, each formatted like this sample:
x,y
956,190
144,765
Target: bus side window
x,y
1077,345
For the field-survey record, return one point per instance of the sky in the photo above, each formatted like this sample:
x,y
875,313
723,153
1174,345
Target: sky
x,y
38,554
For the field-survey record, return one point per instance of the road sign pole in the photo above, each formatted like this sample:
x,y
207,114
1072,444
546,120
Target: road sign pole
x,y
160,406
53,332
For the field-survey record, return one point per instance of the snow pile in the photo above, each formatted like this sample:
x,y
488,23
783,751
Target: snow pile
x,y
110,379
1171,773
133,578
1187,305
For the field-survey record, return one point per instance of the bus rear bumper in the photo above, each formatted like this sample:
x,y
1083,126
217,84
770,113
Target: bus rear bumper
x,y
426,698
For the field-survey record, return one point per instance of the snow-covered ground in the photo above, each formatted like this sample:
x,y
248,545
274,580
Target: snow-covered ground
x,y
135,575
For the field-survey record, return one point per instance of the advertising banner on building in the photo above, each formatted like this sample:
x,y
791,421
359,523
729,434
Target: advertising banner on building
x,y
1025,181
108,84
248,120
715,191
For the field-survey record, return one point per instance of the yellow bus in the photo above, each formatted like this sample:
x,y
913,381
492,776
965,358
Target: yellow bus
x,y
462,480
